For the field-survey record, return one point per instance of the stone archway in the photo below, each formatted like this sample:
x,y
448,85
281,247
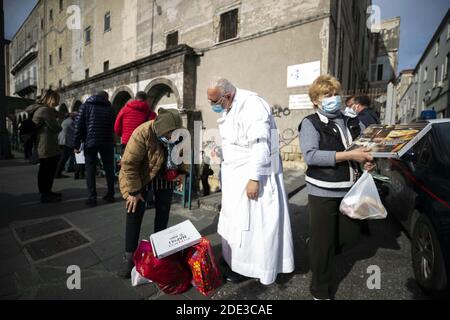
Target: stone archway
x,y
62,112
120,99
163,93
76,106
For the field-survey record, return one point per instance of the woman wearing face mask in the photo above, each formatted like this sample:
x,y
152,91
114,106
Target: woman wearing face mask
x,y
146,166
332,171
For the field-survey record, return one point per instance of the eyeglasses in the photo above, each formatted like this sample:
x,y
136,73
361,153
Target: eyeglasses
x,y
216,102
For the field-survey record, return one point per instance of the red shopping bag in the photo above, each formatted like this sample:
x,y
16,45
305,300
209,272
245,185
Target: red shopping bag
x,y
205,272
171,274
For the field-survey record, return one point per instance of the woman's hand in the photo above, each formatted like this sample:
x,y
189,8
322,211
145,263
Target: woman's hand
x,y
132,202
360,155
253,189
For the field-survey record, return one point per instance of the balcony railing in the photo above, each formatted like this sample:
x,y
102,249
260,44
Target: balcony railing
x,y
28,84
24,59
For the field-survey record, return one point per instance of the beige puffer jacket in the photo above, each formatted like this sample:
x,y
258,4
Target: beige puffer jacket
x,y
142,160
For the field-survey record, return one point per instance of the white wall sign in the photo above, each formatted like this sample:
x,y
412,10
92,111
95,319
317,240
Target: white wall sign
x,y
300,102
302,74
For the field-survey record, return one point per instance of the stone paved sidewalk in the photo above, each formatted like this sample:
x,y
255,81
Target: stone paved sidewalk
x,y
96,236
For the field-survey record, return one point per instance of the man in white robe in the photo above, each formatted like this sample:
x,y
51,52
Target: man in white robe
x,y
254,221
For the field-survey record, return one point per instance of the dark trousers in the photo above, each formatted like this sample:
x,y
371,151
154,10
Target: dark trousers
x,y
163,201
330,233
46,174
79,171
66,152
70,165
28,149
206,186
107,156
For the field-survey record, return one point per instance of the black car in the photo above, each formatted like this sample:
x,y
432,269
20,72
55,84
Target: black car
x,y
418,195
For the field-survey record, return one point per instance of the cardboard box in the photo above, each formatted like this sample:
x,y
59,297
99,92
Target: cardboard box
x,y
174,239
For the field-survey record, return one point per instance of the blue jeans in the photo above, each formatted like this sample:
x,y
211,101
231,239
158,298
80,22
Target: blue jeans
x,y
107,156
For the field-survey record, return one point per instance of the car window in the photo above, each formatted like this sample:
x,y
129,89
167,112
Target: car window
x,y
414,154
443,139
426,154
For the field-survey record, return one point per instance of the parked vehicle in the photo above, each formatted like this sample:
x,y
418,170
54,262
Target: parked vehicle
x,y
418,195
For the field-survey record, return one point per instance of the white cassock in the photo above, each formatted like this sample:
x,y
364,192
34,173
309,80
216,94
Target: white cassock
x,y
256,234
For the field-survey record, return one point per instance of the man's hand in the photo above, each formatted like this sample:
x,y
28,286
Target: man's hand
x,y
253,189
132,202
77,151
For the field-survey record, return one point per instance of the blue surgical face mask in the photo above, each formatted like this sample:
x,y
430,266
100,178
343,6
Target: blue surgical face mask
x,y
332,104
217,107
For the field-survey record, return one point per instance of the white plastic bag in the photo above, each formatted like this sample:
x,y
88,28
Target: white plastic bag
x,y
137,279
79,157
363,202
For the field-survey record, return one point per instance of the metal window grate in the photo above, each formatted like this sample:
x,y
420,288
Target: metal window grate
x,y
172,40
107,21
228,25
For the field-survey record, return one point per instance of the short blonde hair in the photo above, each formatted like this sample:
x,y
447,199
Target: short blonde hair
x,y
322,86
49,98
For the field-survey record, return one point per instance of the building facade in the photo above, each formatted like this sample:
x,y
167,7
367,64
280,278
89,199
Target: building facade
x,y
403,82
24,57
430,86
173,48
385,43
384,54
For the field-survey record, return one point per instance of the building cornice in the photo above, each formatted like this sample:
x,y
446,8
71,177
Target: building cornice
x,y
152,59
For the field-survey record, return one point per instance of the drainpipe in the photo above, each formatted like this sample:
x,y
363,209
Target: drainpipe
x,y
153,25
338,36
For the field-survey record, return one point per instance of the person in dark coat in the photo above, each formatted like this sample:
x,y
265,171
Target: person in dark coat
x,y
367,116
205,173
94,128
361,106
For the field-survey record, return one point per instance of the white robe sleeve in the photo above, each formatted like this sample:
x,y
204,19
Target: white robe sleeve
x,y
256,126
